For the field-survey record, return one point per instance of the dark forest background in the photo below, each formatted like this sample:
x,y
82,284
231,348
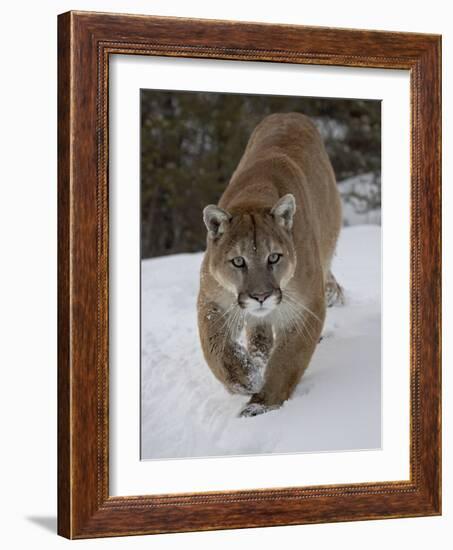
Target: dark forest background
x,y
191,143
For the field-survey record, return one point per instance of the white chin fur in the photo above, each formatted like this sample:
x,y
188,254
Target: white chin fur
x,y
253,308
261,312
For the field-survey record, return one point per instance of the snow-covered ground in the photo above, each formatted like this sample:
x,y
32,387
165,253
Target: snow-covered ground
x,y
186,412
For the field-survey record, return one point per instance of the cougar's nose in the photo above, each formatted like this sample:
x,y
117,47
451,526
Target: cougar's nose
x,y
261,296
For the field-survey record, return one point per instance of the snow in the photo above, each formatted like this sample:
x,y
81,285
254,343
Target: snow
x,y
186,412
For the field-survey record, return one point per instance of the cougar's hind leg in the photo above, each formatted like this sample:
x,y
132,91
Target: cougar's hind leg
x,y
334,292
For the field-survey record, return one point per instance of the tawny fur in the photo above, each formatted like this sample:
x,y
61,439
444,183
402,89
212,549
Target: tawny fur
x,y
266,356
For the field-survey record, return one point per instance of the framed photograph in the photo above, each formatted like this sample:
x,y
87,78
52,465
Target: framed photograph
x,y
249,275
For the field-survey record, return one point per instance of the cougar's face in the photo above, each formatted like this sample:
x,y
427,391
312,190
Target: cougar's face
x,y
254,259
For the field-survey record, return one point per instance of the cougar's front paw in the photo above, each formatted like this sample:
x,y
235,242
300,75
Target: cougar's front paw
x,y
254,409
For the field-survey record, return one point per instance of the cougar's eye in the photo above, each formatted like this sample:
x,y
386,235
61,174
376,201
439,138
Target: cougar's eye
x,y
274,258
238,261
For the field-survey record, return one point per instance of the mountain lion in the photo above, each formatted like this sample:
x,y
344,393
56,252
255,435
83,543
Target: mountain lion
x,y
265,278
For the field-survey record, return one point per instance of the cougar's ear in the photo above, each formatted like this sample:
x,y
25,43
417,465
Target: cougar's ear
x,y
283,211
216,220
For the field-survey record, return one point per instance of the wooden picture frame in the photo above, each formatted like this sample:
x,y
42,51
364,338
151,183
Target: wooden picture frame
x,y
85,42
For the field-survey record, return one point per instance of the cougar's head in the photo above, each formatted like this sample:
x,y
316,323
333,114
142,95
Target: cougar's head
x,y
251,253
